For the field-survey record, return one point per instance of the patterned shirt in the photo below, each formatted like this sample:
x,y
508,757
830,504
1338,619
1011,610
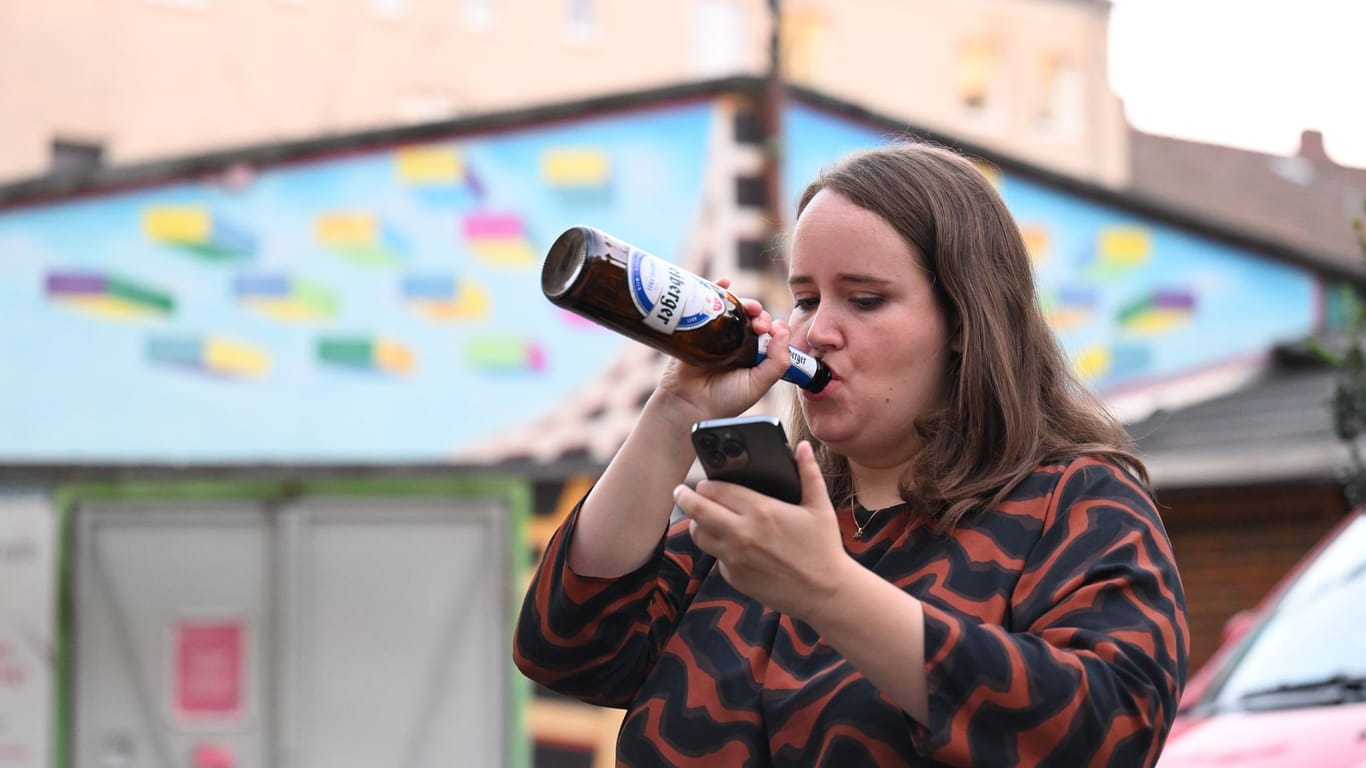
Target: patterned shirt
x,y
1055,634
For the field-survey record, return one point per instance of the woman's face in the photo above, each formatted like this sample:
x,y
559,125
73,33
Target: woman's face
x,y
863,303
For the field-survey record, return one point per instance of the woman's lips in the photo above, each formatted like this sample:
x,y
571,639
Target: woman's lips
x,y
834,382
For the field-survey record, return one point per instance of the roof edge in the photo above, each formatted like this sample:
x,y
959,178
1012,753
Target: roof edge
x,y
50,189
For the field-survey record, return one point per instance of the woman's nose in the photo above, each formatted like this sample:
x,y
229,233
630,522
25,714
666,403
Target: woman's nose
x,y
821,333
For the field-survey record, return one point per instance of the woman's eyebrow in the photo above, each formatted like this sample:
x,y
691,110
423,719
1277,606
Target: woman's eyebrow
x,y
855,278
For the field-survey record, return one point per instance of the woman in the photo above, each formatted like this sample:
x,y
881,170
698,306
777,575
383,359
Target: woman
x,y
976,574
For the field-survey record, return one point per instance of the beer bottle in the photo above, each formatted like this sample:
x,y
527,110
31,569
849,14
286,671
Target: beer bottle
x,y
661,305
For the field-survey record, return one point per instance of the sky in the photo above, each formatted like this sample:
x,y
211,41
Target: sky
x,y
1252,74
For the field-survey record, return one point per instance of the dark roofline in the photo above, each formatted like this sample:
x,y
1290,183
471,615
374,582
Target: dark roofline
x,y
46,189
1139,204
50,189
54,474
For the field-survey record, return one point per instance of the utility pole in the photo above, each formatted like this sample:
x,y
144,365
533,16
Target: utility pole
x,y
772,115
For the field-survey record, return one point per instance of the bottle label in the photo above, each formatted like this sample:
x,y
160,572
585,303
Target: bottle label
x,y
801,369
668,298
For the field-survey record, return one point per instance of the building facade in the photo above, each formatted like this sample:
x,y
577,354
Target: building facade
x,y
126,81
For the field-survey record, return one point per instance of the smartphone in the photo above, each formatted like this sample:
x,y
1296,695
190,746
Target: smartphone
x,y
751,451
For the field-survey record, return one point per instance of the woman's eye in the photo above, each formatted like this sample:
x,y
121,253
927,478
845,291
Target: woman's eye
x,y
804,303
867,302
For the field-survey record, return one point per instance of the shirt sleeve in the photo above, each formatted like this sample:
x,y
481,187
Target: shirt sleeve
x,y
1091,666
595,639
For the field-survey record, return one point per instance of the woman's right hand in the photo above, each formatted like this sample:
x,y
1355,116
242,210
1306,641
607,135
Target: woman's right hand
x,y
712,394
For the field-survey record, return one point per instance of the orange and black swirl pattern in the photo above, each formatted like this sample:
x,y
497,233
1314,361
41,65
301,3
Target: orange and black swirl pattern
x,y
1055,634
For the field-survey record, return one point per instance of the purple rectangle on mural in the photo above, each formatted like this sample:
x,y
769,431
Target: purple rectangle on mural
x,y
67,283
1174,299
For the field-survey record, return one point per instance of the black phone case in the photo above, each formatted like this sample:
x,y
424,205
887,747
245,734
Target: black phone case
x,y
751,451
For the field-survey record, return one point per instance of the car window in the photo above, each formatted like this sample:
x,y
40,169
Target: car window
x,y
1315,632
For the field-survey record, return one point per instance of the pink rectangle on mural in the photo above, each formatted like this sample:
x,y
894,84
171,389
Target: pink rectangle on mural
x,y
481,225
209,670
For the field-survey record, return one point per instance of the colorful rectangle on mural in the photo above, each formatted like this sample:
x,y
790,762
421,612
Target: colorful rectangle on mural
x,y
430,166
197,230
1072,306
282,297
1122,247
443,297
360,237
499,238
575,168
108,296
1036,240
1158,312
211,355
505,353
366,354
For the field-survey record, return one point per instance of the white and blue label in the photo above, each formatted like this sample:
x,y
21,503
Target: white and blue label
x,y
801,367
668,298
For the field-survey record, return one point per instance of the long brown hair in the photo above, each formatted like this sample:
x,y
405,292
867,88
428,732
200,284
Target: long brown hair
x,y
1013,401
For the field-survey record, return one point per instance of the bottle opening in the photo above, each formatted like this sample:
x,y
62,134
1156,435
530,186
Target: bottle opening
x,y
563,262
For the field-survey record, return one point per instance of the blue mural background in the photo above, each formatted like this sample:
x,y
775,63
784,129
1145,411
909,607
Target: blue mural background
x,y
1132,301
385,306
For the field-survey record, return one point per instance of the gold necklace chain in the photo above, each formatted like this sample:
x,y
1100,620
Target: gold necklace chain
x,y
853,512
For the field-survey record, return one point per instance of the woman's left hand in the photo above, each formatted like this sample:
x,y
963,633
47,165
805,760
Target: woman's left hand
x,y
787,556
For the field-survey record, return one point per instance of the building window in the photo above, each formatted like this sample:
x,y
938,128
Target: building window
x,y
977,63
1060,112
390,10
582,21
478,14
74,159
718,38
805,36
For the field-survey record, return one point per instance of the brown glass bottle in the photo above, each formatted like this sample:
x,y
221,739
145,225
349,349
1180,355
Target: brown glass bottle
x,y
616,285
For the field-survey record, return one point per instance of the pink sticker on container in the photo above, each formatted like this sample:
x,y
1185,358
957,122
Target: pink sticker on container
x,y
208,682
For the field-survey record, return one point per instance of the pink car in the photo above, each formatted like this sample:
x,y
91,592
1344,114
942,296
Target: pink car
x,y
1288,687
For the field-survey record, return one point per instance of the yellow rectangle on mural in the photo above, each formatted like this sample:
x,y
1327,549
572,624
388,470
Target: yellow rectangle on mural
x,y
394,357
1125,245
506,252
347,229
177,224
575,167
430,164
226,356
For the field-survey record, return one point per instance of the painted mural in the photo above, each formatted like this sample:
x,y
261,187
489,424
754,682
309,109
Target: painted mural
x,y
1132,301
385,306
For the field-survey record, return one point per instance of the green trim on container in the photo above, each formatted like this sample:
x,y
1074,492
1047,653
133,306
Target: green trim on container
x,y
514,491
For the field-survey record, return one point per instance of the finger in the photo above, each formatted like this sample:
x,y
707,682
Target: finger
x,y
752,307
778,346
703,510
709,530
813,481
762,322
723,282
733,498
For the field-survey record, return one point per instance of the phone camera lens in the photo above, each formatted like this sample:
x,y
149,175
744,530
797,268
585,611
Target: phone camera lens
x,y
707,442
716,460
733,447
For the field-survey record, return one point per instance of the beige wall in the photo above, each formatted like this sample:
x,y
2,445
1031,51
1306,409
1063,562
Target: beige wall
x,y
157,78
908,58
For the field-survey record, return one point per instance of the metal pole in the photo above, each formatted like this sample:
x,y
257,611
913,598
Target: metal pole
x,y
772,111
